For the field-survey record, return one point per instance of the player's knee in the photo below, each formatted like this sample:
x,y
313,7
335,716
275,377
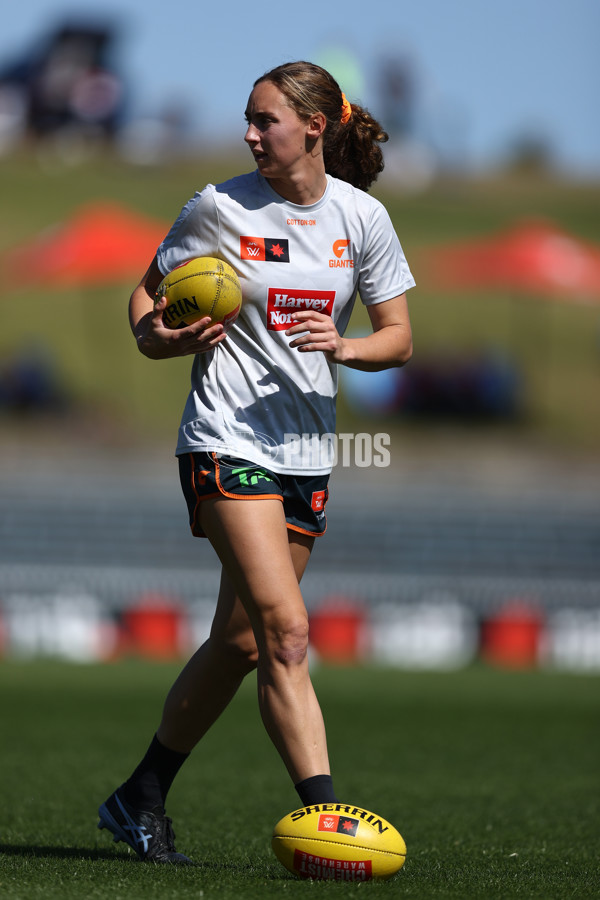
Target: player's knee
x,y
289,645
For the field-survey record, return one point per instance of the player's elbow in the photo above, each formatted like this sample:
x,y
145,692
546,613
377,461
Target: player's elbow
x,y
407,352
403,350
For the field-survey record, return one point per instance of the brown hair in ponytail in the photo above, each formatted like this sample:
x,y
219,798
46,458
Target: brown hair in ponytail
x,y
351,149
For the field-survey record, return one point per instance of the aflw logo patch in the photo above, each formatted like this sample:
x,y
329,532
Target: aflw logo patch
x,y
338,824
281,303
317,504
264,249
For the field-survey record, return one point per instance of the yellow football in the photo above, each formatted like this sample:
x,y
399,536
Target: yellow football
x,y
200,287
338,842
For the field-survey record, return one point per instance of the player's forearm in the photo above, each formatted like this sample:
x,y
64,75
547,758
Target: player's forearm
x,y
141,302
140,312
387,348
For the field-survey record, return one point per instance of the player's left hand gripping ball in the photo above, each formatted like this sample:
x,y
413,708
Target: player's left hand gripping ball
x,y
338,842
200,287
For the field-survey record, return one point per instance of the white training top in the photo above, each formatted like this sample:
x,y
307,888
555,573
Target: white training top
x,y
253,397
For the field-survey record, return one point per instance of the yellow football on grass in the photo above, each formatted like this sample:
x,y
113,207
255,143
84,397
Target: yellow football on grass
x,y
200,287
338,842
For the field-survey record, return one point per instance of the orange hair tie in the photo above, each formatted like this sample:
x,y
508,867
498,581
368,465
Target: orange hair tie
x,y
346,110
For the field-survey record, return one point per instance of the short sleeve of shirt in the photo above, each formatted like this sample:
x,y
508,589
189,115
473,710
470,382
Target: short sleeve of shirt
x,y
384,271
195,232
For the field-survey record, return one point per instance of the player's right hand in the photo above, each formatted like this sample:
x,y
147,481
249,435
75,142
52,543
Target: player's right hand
x,y
160,342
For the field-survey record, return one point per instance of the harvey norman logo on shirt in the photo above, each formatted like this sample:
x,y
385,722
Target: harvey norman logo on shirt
x,y
281,303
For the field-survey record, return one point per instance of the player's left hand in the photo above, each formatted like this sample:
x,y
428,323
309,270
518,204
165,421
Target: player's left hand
x,y
316,332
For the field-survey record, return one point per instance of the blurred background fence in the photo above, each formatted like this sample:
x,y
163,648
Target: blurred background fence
x,y
413,571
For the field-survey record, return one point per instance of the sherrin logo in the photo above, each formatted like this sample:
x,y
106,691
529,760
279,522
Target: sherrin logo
x,y
281,303
370,818
342,252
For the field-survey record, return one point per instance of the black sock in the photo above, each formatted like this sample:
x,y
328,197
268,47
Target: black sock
x,y
148,786
317,789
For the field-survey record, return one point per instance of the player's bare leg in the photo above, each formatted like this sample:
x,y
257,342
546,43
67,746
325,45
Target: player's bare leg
x,y
269,630
251,539
212,676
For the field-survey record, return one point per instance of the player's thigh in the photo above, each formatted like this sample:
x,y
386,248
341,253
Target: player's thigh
x,y
300,546
263,564
231,627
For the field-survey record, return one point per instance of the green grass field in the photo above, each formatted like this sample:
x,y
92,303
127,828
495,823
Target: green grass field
x,y
492,778
554,345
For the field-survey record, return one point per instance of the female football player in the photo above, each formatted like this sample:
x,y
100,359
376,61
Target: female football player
x,y
254,446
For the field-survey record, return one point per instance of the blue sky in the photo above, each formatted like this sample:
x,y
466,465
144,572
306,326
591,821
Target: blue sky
x,y
486,72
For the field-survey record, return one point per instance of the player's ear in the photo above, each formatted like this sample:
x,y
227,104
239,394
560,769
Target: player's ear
x,y
316,125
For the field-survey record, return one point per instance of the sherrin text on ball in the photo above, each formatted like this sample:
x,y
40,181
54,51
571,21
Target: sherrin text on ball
x,y
203,286
338,842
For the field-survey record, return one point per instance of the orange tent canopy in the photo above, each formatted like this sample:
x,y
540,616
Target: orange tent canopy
x,y
534,257
101,243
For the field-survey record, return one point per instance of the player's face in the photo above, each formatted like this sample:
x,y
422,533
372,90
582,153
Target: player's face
x,y
275,135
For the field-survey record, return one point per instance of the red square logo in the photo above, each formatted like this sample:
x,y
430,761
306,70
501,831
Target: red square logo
x,y
328,822
318,501
252,248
